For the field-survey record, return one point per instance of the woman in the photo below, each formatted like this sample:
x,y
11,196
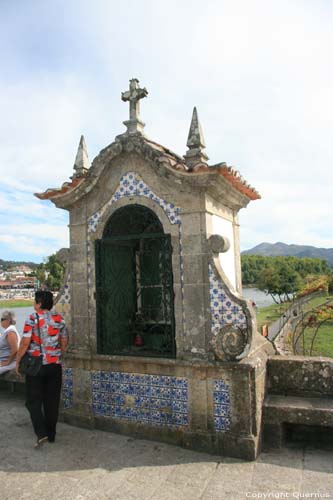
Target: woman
x,y
44,334
9,341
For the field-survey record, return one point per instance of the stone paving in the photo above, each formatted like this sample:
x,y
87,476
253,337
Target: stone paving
x,y
96,465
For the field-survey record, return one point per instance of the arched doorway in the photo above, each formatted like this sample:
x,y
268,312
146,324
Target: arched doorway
x,y
134,285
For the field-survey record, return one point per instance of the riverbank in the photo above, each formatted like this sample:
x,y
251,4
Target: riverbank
x,y
12,304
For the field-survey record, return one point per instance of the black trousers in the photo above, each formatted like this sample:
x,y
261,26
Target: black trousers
x,y
42,400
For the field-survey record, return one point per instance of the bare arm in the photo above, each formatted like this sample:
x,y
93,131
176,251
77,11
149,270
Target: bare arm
x,y
13,344
24,344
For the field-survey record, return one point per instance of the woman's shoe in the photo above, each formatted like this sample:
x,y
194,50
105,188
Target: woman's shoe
x,y
40,441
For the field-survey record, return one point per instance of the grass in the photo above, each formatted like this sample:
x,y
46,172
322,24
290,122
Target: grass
x,y
317,302
273,312
267,315
16,303
323,344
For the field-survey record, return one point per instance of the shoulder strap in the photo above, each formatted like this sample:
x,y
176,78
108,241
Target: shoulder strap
x,y
40,337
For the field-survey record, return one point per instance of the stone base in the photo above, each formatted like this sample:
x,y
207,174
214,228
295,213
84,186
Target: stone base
x,y
206,406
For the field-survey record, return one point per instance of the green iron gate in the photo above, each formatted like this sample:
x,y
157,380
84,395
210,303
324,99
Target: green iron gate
x,y
134,285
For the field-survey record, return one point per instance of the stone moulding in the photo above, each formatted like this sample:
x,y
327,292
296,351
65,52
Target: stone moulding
x,y
165,162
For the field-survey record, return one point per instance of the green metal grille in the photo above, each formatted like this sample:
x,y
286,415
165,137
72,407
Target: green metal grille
x,y
134,285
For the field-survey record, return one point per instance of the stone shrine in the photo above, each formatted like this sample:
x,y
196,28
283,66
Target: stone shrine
x,y
163,346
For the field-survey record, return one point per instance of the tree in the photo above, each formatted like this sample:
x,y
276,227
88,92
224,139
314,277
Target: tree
x,y
51,272
269,282
254,265
281,282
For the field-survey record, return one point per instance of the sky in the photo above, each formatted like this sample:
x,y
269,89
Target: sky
x,y
259,72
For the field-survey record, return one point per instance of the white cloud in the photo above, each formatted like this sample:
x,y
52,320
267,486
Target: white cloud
x,y
37,240
258,72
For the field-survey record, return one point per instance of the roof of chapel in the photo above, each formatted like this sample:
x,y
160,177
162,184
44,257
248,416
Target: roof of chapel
x,y
193,165
159,155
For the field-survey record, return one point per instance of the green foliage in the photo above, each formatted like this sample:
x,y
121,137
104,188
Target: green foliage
x,y
254,265
330,284
51,272
281,277
281,282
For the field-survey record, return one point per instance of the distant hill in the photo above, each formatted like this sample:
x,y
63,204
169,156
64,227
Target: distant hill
x,y
6,264
277,249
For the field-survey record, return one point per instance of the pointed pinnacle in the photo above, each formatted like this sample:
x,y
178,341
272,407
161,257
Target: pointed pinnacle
x,y
195,154
195,136
81,164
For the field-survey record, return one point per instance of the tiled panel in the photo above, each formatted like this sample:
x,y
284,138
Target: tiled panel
x,y
157,400
222,414
65,297
224,310
67,387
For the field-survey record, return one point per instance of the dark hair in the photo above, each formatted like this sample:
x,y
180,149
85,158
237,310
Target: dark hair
x,y
45,299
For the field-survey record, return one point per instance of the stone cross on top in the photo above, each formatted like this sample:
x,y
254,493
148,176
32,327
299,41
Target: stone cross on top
x,y
133,95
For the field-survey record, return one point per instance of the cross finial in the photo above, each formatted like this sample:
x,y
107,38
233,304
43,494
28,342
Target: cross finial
x,y
133,95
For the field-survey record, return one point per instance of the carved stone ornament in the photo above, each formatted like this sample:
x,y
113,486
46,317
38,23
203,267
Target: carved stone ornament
x,y
218,243
230,343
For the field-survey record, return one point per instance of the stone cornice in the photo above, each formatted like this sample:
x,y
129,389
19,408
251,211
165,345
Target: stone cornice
x,y
219,180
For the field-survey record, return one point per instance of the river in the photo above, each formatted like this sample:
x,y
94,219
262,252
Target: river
x,y
259,297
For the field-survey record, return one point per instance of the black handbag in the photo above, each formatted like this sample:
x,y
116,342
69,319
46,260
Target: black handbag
x,y
30,365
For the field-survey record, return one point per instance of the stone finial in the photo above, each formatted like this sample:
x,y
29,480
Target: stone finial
x,y
81,164
195,142
133,95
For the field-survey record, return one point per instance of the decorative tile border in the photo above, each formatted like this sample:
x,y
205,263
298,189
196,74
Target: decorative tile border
x,y
67,388
156,400
65,297
222,413
224,310
131,184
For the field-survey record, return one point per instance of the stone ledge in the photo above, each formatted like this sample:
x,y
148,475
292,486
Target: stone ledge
x,y
280,411
298,410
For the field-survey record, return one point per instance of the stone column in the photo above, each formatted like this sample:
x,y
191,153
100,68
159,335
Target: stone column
x,y
196,286
79,281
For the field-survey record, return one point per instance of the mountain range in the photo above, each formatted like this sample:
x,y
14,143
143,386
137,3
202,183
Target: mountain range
x,y
282,249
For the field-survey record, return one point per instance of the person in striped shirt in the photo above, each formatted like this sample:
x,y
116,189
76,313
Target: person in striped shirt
x,y
44,334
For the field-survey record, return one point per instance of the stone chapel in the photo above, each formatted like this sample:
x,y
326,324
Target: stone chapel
x,y
163,346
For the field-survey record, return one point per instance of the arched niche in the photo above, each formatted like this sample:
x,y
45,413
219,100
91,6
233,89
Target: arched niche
x,y
134,285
